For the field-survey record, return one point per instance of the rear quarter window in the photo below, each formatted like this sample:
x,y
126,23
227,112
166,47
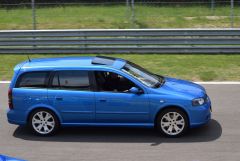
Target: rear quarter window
x,y
33,80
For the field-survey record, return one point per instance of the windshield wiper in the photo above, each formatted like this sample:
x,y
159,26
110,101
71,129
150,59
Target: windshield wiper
x,y
160,82
157,85
163,81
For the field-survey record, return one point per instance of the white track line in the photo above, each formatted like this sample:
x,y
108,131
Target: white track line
x,y
7,82
217,82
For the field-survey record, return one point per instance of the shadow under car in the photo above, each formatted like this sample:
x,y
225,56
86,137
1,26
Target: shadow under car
x,y
206,133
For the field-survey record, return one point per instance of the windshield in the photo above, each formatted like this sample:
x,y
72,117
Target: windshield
x,y
144,76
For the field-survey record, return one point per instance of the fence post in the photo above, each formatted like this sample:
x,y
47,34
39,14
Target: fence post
x,y
127,10
127,3
133,13
232,13
212,6
33,15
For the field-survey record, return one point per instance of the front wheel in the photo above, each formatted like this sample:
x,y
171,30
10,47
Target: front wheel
x,y
172,122
43,122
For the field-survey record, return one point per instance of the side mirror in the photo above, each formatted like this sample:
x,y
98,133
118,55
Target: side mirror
x,y
135,90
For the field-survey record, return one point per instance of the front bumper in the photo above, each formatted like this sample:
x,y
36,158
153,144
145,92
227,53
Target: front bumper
x,y
200,115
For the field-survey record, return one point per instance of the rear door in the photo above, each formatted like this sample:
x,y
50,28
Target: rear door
x,y
71,94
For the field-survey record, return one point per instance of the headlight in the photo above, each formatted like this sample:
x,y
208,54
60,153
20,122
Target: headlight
x,y
198,101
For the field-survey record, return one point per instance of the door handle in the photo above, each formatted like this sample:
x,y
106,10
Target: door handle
x,y
102,100
59,98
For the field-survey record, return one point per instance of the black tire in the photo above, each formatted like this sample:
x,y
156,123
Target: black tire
x,y
172,111
54,119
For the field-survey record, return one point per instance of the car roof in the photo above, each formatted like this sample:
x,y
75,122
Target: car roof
x,y
73,62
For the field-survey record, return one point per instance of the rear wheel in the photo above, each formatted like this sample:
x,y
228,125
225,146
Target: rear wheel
x,y
172,122
43,122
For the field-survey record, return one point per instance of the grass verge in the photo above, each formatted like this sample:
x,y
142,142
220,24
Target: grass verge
x,y
191,67
117,16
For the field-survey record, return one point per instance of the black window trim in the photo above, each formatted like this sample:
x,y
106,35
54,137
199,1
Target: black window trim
x,y
46,81
56,71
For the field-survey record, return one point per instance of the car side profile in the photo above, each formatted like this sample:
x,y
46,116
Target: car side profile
x,y
50,93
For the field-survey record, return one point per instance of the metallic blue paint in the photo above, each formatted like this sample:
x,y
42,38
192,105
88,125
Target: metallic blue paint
x,y
7,158
91,108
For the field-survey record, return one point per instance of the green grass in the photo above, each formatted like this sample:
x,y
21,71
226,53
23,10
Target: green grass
x,y
190,67
76,17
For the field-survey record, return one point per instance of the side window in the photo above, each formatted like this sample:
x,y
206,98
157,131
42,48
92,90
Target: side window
x,y
33,80
72,80
108,81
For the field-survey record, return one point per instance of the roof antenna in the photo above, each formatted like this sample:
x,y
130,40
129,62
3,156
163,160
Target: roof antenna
x,y
29,58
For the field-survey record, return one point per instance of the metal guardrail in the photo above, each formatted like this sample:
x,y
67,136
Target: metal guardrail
x,y
121,41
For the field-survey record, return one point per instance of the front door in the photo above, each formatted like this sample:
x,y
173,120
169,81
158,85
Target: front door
x,y
115,104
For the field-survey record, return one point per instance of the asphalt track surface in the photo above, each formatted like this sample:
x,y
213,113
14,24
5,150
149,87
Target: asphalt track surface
x,y
217,141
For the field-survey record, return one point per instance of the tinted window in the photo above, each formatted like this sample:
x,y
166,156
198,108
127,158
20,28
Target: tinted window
x,y
33,80
108,81
77,80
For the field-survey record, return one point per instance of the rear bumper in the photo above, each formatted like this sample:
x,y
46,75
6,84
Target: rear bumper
x,y
16,117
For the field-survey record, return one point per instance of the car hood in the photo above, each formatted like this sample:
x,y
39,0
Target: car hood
x,y
183,87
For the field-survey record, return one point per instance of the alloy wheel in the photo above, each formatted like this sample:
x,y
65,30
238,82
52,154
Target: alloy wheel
x,y
172,123
43,122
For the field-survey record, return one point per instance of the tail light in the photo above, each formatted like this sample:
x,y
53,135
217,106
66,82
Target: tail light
x,y
10,100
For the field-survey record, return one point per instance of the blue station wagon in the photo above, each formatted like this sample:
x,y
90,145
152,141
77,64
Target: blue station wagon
x,y
49,93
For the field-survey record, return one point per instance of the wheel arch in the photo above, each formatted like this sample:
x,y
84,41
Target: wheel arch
x,y
167,107
46,108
